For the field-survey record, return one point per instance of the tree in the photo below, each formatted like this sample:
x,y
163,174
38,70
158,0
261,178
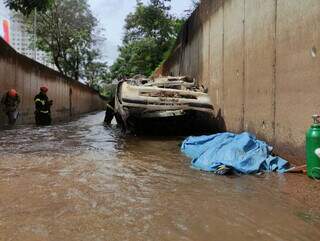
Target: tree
x,y
149,21
96,73
195,4
150,32
66,31
138,57
27,6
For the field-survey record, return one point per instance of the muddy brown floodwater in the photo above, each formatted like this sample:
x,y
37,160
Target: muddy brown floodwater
x,y
83,181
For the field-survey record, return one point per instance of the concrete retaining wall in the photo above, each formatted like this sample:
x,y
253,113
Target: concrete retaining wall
x,y
260,60
70,97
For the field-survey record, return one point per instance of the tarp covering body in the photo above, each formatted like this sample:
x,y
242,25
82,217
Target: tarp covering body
x,y
241,152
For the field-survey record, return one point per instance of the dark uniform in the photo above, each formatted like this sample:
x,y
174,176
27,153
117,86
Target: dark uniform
x,y
109,112
10,105
42,113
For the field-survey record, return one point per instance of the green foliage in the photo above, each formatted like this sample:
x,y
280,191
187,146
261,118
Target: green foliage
x,y
96,73
150,32
108,91
137,57
149,21
27,6
66,31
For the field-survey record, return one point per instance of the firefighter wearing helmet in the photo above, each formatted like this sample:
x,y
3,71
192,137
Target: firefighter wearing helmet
x,y
10,103
43,105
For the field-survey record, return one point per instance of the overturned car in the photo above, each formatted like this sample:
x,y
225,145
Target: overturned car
x,y
163,105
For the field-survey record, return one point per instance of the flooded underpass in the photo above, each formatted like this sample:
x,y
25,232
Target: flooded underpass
x,y
83,181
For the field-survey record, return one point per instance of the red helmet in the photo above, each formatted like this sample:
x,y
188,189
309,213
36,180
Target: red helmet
x,y
44,88
12,93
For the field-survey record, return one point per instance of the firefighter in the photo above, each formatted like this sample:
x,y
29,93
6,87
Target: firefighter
x,y
10,102
43,105
109,112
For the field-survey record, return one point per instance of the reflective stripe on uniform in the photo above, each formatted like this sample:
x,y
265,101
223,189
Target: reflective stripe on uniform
x,y
41,101
44,111
110,107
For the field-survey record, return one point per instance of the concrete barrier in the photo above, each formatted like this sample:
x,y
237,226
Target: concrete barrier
x,y
26,75
260,61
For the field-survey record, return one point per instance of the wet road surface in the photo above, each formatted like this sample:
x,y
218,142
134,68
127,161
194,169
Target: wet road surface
x,y
83,181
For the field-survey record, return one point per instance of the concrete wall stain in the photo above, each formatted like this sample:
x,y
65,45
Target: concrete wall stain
x,y
259,61
70,97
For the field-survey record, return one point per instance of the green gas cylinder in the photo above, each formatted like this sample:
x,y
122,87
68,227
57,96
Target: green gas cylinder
x,y
313,148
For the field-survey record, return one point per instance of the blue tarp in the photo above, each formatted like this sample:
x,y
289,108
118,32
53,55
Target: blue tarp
x,y
240,152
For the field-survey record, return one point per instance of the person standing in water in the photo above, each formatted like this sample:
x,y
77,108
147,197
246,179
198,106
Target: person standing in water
x,y
43,107
10,103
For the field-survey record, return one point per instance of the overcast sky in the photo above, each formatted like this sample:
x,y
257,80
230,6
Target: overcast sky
x,y
111,15
3,10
